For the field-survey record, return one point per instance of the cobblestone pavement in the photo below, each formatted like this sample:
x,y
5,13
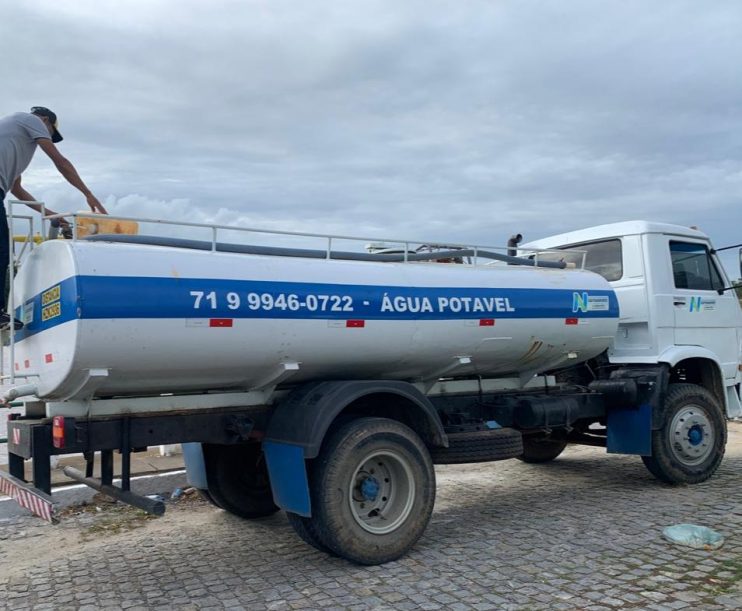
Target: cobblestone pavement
x,y
583,532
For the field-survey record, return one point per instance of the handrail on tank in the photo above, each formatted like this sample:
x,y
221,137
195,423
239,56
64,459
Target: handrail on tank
x,y
478,251
11,278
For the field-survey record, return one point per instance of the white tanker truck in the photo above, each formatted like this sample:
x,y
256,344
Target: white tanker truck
x,y
329,383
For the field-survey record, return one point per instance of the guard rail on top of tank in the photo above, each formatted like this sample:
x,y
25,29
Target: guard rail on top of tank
x,y
425,250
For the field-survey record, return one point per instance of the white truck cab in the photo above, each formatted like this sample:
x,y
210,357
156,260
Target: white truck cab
x,y
675,302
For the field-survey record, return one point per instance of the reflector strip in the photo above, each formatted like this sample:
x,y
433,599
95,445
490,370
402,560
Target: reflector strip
x,y
487,322
355,323
571,321
26,363
37,502
48,358
220,322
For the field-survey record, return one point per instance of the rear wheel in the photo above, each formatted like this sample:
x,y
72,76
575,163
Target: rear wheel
x,y
689,445
206,495
238,479
373,490
304,527
541,449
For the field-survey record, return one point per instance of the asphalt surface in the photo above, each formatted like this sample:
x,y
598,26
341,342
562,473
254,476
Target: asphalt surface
x,y
583,532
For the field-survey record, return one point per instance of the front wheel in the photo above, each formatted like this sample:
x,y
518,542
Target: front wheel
x,y
689,445
373,490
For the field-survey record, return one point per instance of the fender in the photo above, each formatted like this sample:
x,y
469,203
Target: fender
x,y
300,422
674,354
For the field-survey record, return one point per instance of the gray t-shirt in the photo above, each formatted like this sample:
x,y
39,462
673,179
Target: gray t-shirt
x,y
18,135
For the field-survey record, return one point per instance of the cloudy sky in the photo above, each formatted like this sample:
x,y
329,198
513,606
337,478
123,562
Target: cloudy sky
x,y
456,121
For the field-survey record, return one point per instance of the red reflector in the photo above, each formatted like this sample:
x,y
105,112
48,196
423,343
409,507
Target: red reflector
x,y
58,431
220,322
571,321
487,322
17,367
48,358
355,323
26,363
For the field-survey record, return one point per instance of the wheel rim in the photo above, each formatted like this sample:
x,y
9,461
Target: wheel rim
x,y
382,492
692,435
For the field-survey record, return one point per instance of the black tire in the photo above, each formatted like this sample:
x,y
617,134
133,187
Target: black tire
x,y
206,495
304,527
541,449
479,446
372,489
690,444
238,480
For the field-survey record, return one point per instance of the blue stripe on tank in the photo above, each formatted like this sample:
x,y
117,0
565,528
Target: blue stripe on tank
x,y
133,297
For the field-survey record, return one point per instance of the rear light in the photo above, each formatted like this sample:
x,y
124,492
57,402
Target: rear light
x,y
58,432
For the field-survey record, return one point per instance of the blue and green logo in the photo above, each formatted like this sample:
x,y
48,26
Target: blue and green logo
x,y
580,302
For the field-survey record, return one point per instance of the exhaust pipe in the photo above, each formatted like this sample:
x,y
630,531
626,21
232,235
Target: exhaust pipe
x,y
512,243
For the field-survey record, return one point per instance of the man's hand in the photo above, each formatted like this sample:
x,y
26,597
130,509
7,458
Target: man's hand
x,y
95,205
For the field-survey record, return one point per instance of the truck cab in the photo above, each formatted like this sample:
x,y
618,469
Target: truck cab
x,y
676,306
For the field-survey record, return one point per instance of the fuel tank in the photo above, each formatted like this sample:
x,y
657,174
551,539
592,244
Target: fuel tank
x,y
115,319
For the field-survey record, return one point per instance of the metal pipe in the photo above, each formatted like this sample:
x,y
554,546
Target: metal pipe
x,y
24,390
11,295
513,241
151,506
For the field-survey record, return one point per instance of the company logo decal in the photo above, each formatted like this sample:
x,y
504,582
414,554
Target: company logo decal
x,y
584,302
699,304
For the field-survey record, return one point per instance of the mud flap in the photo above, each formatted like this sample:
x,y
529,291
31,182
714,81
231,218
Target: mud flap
x,y
193,457
287,472
630,430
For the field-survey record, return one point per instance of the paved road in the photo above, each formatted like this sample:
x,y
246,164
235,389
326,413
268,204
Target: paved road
x,y
580,533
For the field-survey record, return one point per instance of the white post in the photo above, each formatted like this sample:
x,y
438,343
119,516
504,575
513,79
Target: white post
x,y
11,295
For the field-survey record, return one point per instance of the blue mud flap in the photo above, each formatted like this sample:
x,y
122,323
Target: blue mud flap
x,y
288,475
193,457
630,430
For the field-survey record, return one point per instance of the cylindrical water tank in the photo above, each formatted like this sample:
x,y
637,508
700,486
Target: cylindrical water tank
x,y
141,319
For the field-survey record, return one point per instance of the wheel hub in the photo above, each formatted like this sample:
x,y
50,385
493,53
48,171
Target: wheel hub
x,y
382,492
695,435
692,435
370,488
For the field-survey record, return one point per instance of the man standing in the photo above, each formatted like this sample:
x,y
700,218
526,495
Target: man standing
x,y
20,134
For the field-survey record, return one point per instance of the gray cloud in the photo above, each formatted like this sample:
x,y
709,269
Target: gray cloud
x,y
437,120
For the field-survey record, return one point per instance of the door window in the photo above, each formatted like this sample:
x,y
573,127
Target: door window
x,y
693,268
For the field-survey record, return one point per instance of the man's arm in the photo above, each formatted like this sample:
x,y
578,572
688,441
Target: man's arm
x,y
23,195
69,172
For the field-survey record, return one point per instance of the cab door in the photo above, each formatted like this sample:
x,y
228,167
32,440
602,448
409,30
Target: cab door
x,y
703,317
